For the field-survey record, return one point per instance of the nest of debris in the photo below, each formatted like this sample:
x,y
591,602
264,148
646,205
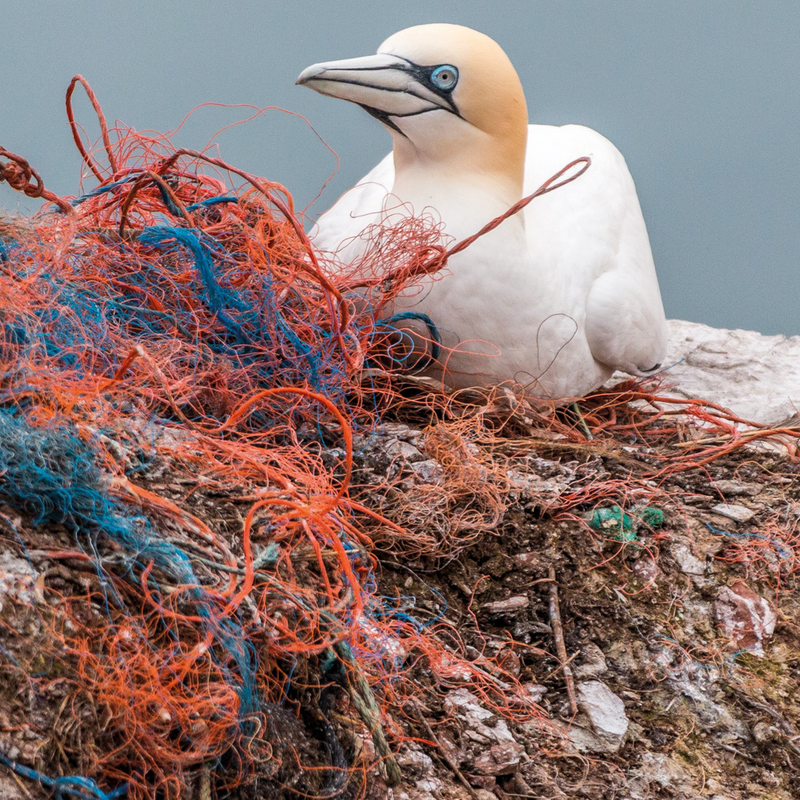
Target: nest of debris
x,y
243,554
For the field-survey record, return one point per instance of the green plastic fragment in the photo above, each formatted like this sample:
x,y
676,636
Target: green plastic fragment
x,y
651,516
622,525
613,520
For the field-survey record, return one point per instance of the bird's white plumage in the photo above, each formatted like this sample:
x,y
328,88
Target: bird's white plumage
x,y
556,297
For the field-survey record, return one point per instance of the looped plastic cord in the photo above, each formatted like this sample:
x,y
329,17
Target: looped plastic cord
x,y
171,200
274,192
550,185
112,161
22,177
441,256
435,340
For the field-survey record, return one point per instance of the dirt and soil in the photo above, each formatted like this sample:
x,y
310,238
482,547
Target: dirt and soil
x,y
680,622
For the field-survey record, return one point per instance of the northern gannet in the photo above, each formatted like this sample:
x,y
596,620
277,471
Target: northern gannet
x,y
559,295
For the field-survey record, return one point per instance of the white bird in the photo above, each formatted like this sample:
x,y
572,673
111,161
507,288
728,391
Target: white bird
x,y
560,294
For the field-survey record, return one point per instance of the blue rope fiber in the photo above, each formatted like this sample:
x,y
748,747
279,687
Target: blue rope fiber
x,y
165,238
783,551
655,637
240,323
429,324
729,660
67,787
263,331
258,333
168,202
245,322
108,187
51,474
213,201
435,338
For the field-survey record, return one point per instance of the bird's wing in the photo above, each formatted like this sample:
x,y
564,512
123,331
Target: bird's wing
x,y
591,237
353,211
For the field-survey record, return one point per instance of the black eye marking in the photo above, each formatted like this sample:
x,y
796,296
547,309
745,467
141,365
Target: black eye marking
x,y
424,75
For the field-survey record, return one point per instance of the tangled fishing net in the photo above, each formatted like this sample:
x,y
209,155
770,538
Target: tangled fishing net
x,y
170,338
170,319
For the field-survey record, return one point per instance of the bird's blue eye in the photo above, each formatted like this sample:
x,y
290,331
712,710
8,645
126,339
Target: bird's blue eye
x,y
445,77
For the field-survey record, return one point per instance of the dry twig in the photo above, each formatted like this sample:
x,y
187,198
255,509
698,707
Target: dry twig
x,y
561,649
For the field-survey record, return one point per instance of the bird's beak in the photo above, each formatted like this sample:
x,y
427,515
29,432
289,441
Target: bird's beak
x,y
385,85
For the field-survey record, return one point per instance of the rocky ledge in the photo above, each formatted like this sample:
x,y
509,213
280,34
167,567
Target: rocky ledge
x,y
755,376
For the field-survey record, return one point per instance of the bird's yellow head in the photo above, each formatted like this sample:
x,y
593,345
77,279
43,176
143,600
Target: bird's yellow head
x,y
449,95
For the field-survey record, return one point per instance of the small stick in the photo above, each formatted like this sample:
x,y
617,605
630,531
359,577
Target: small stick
x,y
561,648
443,754
24,789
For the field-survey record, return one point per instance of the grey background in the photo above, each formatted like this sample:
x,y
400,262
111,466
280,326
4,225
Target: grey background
x,y
701,96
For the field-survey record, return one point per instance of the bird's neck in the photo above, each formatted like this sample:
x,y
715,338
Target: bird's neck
x,y
432,165
466,192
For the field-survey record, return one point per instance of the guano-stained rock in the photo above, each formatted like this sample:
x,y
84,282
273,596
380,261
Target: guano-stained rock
x,y
745,617
500,759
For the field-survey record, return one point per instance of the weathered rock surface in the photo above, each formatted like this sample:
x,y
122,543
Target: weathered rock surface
x,y
756,376
591,662
734,511
606,714
482,725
